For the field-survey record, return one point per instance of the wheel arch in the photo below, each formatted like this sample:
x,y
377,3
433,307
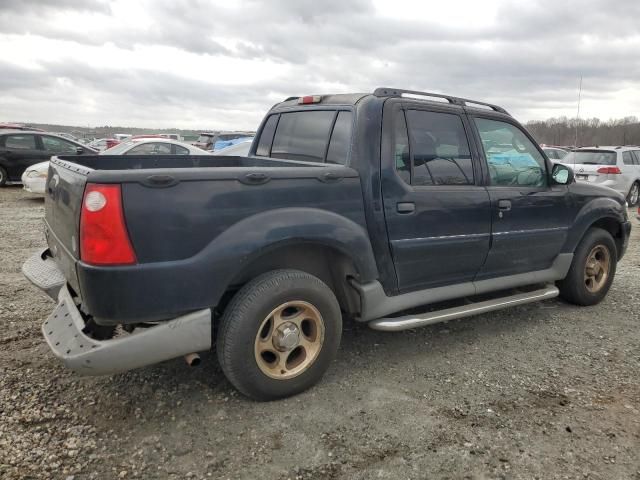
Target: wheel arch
x,y
329,263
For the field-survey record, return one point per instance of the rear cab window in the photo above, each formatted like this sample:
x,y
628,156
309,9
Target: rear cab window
x,y
309,135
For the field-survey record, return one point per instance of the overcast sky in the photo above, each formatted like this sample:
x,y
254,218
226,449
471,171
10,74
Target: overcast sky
x,y
222,64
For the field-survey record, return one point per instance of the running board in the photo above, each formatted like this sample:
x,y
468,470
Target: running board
x,y
412,321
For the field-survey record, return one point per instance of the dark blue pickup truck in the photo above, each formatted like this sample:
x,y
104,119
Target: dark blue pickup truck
x,y
359,206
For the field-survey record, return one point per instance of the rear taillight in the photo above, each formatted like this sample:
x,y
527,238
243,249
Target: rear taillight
x,y
609,170
104,239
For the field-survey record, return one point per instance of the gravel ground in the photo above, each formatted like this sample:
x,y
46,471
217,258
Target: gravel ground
x,y
542,391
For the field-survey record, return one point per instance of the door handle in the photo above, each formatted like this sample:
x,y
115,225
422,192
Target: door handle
x,y
504,205
406,208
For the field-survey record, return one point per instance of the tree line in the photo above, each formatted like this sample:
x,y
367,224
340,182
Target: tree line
x,y
590,131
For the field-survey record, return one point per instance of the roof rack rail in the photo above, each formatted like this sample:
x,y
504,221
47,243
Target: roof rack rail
x,y
397,92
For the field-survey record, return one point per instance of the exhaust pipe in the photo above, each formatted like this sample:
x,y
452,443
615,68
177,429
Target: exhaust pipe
x,y
192,359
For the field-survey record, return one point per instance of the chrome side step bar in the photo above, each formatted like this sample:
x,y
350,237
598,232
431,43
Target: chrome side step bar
x,y
412,321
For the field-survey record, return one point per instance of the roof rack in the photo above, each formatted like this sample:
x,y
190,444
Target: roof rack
x,y
397,92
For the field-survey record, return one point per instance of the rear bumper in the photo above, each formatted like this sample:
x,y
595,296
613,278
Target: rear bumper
x,y
65,328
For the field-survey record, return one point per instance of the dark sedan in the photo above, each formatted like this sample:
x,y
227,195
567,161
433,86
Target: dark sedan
x,y
20,149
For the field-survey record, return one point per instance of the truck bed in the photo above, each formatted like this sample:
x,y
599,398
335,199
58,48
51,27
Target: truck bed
x,y
180,213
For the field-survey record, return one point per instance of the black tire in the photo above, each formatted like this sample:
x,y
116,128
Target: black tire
x,y
242,320
634,194
573,288
3,177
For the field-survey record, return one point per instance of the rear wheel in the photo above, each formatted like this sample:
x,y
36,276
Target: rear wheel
x,y
634,194
3,177
592,269
279,334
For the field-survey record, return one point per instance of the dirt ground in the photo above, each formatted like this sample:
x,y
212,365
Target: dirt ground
x,y
542,391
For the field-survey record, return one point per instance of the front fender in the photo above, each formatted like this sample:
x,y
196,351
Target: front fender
x,y
594,210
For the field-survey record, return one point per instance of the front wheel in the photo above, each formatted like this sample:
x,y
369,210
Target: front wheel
x,y
3,177
634,194
592,269
279,334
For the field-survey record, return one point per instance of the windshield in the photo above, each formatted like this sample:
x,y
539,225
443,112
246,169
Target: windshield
x,y
590,157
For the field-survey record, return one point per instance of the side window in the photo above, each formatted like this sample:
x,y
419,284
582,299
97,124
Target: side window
x,y
340,139
512,158
439,149
401,147
266,138
181,150
20,142
57,145
302,135
627,158
637,155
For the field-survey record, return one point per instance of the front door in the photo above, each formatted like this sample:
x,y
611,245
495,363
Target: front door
x,y
529,216
437,213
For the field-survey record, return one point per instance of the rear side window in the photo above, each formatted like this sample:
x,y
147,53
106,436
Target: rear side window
x,y
627,158
439,149
20,142
340,139
637,155
181,150
303,135
266,137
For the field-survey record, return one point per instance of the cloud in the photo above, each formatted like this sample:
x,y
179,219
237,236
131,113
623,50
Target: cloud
x,y
207,63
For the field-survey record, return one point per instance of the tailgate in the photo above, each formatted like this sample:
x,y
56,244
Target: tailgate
x,y
586,172
63,200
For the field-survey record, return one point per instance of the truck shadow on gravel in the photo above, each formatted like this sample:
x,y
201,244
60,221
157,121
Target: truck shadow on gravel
x,y
362,351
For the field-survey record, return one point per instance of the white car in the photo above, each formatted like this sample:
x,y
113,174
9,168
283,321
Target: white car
x,y
238,150
613,167
153,146
34,178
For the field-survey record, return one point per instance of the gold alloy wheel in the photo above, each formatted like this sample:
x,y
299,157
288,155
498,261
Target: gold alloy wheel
x,y
289,340
596,270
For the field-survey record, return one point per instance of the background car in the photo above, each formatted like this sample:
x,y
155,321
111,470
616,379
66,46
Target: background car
x,y
153,146
240,149
103,143
209,140
613,167
555,153
34,178
19,149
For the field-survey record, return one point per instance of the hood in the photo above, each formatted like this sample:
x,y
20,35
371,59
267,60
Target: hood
x,y
596,190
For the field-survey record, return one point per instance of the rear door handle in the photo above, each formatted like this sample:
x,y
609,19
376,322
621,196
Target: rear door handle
x,y
504,205
406,208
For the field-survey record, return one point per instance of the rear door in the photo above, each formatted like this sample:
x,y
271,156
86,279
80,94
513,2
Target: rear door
x,y
437,213
529,216
20,151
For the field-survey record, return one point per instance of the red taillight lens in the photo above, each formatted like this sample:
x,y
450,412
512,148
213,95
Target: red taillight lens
x,y
104,239
609,170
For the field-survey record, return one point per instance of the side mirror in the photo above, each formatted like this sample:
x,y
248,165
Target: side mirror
x,y
79,150
562,175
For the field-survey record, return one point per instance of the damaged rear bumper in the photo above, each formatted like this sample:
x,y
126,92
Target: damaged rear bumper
x,y
65,328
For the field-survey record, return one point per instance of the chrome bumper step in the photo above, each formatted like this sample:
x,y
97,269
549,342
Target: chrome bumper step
x,y
394,324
